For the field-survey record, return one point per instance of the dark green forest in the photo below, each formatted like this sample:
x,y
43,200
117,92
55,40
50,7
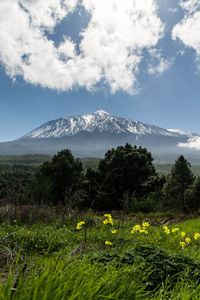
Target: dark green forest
x,y
125,179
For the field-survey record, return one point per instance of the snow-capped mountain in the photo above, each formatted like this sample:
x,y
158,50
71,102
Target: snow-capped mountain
x,y
99,121
91,135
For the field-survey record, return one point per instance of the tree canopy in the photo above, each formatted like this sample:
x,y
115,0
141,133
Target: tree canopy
x,y
58,176
123,171
181,177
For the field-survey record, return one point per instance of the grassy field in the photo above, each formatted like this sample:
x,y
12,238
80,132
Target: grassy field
x,y
103,258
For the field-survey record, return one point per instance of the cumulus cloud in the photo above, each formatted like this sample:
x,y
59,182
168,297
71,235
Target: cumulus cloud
x,y
158,64
192,143
47,13
188,29
110,49
190,5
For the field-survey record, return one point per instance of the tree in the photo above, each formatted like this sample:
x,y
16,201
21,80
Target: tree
x,y
91,186
61,175
192,196
123,171
181,177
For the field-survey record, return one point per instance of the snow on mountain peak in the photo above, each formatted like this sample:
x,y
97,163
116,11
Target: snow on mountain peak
x,y
99,121
178,131
101,112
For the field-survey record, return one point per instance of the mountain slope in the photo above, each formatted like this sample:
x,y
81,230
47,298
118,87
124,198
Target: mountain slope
x,y
100,121
93,134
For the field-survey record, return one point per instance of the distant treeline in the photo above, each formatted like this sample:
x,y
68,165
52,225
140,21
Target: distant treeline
x,y
166,168
33,161
24,159
29,162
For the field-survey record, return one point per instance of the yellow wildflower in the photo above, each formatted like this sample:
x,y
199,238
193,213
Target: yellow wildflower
x,y
79,225
143,231
196,236
182,234
114,231
175,230
182,244
108,219
188,240
166,229
136,228
145,225
108,216
108,243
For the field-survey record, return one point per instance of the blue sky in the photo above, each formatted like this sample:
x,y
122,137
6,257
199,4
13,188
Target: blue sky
x,y
67,57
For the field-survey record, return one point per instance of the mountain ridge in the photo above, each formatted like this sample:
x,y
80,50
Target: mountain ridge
x,y
98,121
91,135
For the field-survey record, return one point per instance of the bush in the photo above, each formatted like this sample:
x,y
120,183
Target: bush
x,y
161,264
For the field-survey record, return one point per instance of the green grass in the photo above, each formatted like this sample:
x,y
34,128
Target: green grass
x,y
78,280
56,261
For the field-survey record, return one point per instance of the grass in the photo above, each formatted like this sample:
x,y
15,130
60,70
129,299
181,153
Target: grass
x,y
56,261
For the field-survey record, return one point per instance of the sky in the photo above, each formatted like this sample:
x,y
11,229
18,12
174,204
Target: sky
x,y
138,59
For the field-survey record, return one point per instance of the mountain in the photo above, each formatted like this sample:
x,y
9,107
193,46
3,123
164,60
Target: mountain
x,y
91,135
100,121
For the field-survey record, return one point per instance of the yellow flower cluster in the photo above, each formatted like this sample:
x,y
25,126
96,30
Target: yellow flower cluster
x,y
182,234
108,243
188,240
79,225
196,236
174,230
108,219
145,225
138,228
166,230
182,244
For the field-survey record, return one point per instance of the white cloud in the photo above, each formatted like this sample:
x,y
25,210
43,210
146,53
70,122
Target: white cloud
x,y
190,5
192,143
158,64
67,49
189,27
110,49
47,13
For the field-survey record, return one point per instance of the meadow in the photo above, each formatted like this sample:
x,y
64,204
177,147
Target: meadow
x,y
107,256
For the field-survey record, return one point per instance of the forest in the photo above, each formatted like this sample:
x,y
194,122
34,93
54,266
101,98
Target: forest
x,y
125,179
